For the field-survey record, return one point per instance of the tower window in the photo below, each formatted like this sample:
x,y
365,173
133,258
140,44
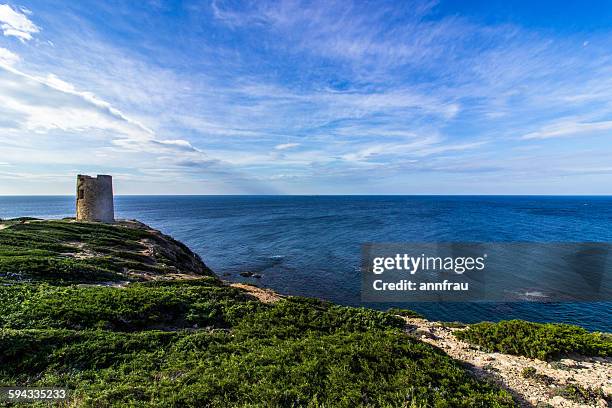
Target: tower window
x,y
81,194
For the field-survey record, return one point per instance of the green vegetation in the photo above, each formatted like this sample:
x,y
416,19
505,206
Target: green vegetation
x,y
581,395
537,340
405,313
529,372
532,373
293,353
64,251
139,306
197,342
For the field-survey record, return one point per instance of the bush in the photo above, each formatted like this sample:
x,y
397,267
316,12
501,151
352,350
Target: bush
x,y
296,352
528,372
405,313
344,369
580,395
536,340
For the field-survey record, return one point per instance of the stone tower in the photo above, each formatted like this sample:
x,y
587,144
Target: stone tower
x,y
95,198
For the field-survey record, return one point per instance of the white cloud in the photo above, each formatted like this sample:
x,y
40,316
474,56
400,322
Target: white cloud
x,y
178,143
56,83
8,58
42,104
568,128
285,146
16,24
47,104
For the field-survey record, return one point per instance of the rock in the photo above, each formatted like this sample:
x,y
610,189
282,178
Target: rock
x,y
246,274
426,333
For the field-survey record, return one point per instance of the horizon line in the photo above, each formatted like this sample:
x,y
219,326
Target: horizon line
x,y
320,195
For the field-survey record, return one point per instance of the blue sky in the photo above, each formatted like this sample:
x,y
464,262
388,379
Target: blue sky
x,y
290,97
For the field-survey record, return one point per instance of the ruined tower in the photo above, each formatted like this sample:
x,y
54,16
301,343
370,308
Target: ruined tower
x,y
95,198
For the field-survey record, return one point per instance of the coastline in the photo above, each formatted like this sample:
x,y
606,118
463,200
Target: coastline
x,y
156,267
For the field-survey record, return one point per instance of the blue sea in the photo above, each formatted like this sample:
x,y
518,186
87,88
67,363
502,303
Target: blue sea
x,y
310,245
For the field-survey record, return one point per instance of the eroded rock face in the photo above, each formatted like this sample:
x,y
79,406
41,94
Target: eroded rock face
x,y
163,247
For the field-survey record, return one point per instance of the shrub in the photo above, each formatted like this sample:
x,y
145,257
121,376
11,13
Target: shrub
x,y
344,369
531,373
579,394
528,372
135,307
536,340
405,313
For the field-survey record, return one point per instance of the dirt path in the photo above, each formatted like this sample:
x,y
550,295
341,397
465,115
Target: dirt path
x,y
506,370
264,295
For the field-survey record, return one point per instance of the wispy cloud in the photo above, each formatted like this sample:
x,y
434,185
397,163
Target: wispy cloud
x,y
285,146
7,57
44,105
569,128
15,23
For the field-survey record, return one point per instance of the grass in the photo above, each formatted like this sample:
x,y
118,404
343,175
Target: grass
x,y
198,342
544,341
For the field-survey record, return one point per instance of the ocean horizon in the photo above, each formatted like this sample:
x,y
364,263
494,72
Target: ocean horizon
x,y
309,245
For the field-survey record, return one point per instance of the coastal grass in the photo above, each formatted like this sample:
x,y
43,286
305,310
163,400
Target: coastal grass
x,y
544,341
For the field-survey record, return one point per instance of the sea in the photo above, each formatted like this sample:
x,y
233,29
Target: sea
x,y
311,245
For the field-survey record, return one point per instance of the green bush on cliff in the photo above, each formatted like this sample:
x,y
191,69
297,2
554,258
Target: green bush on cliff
x,y
537,340
405,313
